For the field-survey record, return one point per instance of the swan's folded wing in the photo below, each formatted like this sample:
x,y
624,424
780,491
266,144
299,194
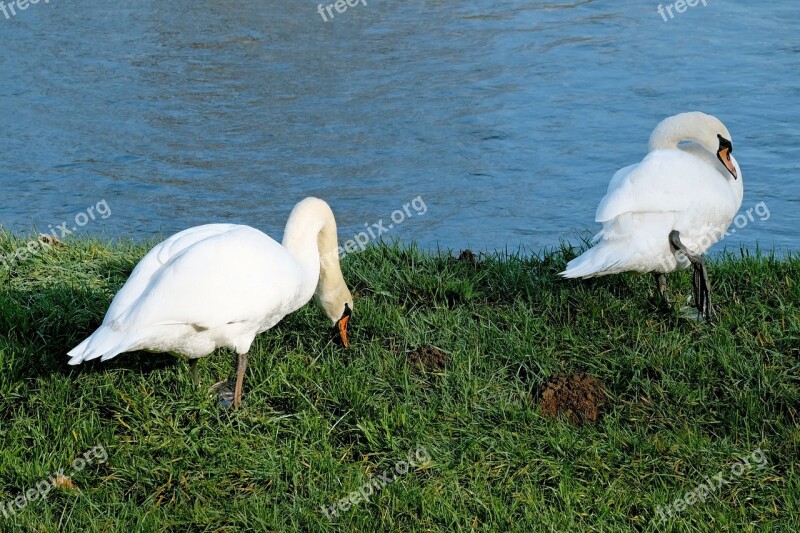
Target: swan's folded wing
x,y
238,276
155,259
665,181
619,178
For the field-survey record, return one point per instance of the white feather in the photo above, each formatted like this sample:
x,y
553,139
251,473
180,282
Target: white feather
x,y
212,286
683,188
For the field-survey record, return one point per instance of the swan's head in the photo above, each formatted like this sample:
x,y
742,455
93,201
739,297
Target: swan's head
x,y
724,154
706,130
339,308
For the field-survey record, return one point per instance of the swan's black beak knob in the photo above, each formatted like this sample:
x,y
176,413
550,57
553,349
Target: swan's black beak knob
x,y
724,155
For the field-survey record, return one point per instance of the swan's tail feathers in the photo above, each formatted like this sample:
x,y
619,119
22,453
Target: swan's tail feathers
x,y
104,343
603,259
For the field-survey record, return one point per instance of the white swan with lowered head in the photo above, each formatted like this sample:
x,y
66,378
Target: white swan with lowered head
x,y
665,212
220,285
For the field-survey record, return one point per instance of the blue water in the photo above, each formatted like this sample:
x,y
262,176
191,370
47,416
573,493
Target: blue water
x,y
507,118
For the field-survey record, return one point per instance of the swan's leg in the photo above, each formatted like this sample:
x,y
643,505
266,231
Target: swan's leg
x,y
661,282
701,288
241,366
705,288
195,375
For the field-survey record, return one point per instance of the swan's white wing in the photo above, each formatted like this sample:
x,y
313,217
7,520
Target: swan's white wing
x,y
238,276
155,259
201,289
669,190
665,181
619,177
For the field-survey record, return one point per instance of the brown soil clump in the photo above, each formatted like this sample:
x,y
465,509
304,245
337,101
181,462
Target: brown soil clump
x,y
578,396
428,357
467,256
50,240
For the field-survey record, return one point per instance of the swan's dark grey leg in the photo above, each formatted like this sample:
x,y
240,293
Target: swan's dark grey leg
x,y
661,282
195,375
701,288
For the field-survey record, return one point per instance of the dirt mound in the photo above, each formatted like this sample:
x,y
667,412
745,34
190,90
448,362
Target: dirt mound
x,y
578,396
427,357
467,256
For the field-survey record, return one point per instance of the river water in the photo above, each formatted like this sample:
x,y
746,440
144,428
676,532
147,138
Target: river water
x,y
506,119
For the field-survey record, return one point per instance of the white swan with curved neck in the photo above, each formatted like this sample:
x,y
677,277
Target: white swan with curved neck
x,y
664,213
220,285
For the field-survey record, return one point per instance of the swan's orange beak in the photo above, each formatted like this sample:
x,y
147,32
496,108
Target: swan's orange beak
x,y
341,325
724,155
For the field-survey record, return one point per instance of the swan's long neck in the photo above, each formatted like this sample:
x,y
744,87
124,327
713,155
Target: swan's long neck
x,y
669,133
330,275
706,135
694,127
310,236
664,139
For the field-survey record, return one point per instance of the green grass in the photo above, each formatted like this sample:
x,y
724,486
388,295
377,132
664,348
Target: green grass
x,y
687,400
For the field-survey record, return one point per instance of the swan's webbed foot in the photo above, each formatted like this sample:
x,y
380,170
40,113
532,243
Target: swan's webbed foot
x,y
224,390
229,391
701,288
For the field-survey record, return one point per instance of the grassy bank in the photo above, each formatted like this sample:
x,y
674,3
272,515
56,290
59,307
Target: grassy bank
x,y
687,400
